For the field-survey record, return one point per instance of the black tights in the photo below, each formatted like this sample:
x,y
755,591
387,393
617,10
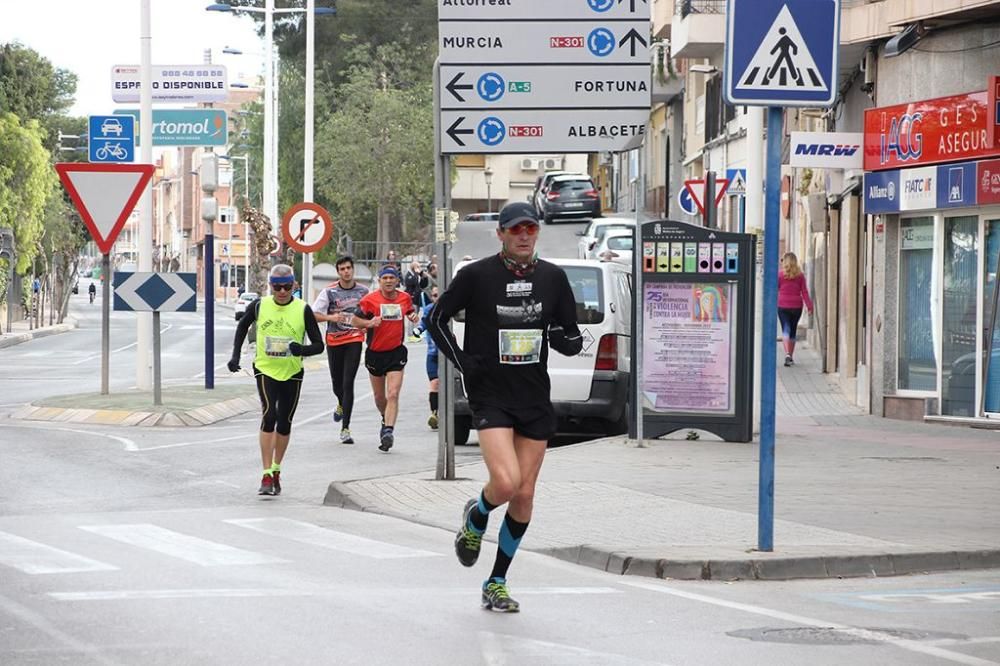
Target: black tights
x,y
278,400
344,362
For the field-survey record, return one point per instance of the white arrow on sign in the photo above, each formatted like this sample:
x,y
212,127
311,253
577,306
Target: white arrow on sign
x,y
547,86
583,42
170,292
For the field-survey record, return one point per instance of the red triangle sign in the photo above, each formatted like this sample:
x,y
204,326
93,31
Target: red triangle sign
x,y
696,188
105,195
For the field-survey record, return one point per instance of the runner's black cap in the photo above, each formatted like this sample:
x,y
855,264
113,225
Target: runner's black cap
x,y
517,212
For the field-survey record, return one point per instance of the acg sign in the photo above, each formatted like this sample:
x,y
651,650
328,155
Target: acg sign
x,y
946,129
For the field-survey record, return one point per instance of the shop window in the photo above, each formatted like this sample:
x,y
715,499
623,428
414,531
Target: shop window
x,y
990,285
958,353
917,363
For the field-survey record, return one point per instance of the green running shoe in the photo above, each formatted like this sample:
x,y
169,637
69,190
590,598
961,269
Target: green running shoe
x,y
467,541
497,598
338,414
345,436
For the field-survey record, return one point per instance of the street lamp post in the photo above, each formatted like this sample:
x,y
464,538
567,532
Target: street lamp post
x,y
488,175
246,225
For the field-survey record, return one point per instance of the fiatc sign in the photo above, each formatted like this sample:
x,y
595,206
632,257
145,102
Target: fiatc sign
x,y
946,129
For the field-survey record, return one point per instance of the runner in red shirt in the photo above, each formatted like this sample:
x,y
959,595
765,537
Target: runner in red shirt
x,y
381,313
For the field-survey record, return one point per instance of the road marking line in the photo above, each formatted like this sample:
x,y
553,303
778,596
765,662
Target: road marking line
x,y
964,641
505,650
867,634
145,595
126,442
36,558
182,546
315,535
164,329
27,616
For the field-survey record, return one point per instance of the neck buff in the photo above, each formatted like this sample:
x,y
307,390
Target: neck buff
x,y
517,268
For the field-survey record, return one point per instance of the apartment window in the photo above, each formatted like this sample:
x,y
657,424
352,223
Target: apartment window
x,y
717,112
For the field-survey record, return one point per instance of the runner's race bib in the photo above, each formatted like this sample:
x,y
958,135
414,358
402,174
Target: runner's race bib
x,y
276,346
391,312
520,346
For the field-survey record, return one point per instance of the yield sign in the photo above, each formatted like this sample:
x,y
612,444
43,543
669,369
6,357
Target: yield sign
x,y
697,190
105,195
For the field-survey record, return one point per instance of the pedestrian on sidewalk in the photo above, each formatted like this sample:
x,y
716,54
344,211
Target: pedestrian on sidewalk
x,y
282,324
792,295
516,307
382,313
432,360
336,306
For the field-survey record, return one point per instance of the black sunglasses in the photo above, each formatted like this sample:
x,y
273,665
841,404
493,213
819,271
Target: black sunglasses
x,y
281,287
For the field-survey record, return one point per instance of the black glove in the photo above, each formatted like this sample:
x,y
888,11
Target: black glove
x,y
295,349
562,344
233,365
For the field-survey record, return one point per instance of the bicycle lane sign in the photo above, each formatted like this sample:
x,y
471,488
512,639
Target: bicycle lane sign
x,y
111,138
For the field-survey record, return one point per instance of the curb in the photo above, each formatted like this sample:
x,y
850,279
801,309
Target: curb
x,y
199,416
757,566
9,340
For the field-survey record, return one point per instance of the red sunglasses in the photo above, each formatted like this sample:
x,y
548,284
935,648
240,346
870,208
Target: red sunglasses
x,y
523,228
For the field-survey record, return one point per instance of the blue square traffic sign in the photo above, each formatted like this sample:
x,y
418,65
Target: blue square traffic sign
x,y
112,139
782,52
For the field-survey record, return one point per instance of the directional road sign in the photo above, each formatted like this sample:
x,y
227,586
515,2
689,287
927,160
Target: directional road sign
x,y
559,131
105,195
533,87
782,52
605,42
696,188
156,292
685,201
307,227
186,127
554,10
111,139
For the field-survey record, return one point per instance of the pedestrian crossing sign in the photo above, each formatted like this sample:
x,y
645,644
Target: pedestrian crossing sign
x,y
782,52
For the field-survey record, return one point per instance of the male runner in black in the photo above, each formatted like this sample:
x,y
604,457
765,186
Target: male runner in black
x,y
516,307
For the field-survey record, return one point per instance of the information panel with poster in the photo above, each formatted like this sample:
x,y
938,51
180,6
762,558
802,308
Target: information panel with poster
x,y
697,343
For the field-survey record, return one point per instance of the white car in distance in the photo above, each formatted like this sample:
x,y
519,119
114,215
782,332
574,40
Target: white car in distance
x,y
245,299
594,233
616,246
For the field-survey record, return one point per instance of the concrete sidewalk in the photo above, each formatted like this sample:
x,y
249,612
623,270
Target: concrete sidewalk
x,y
855,495
20,332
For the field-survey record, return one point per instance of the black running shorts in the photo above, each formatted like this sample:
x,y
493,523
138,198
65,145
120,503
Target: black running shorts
x,y
538,422
379,364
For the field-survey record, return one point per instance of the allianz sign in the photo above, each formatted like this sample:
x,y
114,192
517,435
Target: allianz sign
x,y
827,150
185,127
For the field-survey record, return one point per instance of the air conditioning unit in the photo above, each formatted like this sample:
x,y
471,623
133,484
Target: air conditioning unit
x,y
552,163
528,164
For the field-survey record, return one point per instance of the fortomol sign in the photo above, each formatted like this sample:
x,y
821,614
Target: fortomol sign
x,y
186,127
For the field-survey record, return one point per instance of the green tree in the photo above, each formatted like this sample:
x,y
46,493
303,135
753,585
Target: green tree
x,y
27,180
30,87
374,151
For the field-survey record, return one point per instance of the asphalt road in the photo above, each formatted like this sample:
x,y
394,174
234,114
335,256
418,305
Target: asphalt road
x,y
150,546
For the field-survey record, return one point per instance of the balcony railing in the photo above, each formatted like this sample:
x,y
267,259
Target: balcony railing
x,y
686,7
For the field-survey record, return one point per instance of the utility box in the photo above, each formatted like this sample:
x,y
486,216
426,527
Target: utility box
x,y
697,343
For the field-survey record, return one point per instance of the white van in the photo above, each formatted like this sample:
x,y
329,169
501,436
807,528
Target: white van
x,y
589,390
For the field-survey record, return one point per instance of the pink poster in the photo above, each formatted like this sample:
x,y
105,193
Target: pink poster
x,y
688,339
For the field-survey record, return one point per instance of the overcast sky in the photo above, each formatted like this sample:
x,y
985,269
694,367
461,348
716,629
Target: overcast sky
x,y
88,37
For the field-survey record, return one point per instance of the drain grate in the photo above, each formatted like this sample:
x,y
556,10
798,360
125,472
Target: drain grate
x,y
835,636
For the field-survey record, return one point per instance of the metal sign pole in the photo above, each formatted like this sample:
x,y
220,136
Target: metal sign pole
x,y
768,349
105,320
157,389
711,209
640,441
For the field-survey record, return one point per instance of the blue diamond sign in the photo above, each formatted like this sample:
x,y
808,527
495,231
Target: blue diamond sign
x,y
782,52
155,292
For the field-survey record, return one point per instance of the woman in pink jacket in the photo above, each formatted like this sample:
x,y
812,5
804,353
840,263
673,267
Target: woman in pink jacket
x,y
792,294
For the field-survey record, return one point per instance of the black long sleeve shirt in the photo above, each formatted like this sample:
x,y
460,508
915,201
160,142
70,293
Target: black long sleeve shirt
x,y
510,323
316,343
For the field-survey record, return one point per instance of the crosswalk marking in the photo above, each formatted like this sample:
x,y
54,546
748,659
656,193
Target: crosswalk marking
x,y
37,558
326,538
182,546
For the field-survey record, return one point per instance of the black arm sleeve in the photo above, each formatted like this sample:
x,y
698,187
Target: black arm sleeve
x,y
564,335
246,321
453,300
316,343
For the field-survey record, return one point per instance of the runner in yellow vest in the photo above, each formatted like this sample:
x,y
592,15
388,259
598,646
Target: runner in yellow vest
x,y
282,324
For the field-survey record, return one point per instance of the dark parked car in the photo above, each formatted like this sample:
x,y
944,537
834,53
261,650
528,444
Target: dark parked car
x,y
570,196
